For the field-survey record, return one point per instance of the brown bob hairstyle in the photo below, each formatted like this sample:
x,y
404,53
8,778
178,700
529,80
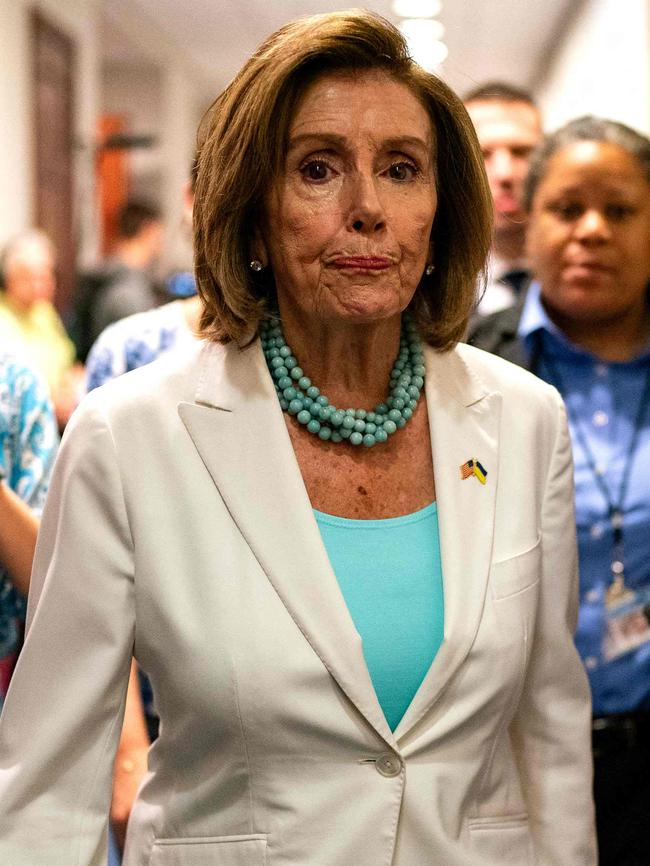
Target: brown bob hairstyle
x,y
242,146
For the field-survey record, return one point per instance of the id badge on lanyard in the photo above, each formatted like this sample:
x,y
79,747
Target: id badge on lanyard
x,y
627,619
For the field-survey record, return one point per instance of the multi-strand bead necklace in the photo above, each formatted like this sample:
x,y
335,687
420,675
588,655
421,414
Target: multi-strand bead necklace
x,y
299,397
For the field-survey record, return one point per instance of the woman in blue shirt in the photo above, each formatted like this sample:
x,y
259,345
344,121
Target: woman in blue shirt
x,y
584,326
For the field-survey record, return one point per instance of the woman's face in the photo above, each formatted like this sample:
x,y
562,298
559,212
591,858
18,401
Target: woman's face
x,y
348,221
589,233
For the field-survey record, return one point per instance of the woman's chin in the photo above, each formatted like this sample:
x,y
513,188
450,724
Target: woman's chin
x,y
364,316
366,309
587,308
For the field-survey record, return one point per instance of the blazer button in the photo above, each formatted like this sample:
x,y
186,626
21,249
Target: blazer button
x,y
388,765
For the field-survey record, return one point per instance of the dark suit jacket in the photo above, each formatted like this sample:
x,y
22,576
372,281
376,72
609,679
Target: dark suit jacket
x,y
497,333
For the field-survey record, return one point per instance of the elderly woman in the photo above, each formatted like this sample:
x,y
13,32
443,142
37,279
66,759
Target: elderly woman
x,y
29,320
352,663
584,326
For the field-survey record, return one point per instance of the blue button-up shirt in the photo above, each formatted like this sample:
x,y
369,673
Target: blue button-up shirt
x,y
603,399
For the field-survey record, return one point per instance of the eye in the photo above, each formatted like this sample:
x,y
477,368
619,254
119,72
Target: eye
x,y
566,211
402,171
316,170
521,151
619,212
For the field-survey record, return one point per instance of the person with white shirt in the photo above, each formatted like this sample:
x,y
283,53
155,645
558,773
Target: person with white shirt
x,y
509,126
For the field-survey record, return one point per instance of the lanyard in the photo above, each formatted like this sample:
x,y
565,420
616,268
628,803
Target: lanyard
x,y
614,504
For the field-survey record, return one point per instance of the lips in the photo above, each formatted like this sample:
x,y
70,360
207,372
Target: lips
x,y
504,203
363,263
592,266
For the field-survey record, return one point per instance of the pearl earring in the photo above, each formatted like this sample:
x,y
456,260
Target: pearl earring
x,y
429,270
256,265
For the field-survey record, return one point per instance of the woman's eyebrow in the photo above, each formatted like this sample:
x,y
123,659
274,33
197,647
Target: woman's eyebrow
x,y
320,139
328,139
400,141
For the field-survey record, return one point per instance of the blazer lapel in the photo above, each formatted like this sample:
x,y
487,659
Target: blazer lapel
x,y
238,428
464,423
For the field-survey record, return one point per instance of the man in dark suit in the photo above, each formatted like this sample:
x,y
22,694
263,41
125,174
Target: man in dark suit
x,y
509,127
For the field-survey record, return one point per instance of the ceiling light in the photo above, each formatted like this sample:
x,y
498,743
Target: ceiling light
x,y
424,45
421,29
417,8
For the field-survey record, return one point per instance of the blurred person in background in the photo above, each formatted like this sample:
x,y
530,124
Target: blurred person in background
x,y
29,319
584,326
509,126
141,338
28,440
276,563
124,283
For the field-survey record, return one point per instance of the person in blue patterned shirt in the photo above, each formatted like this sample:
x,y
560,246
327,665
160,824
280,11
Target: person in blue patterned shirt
x,y
28,440
140,339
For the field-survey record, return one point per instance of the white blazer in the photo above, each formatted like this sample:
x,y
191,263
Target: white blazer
x,y
178,528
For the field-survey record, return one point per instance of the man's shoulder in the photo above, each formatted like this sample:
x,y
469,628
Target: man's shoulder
x,y
96,279
125,283
493,368
497,333
470,373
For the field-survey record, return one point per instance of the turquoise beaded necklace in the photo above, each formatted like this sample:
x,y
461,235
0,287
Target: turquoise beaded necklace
x,y
299,397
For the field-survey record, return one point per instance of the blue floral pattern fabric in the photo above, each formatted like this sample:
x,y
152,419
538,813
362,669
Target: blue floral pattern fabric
x,y
136,341
28,441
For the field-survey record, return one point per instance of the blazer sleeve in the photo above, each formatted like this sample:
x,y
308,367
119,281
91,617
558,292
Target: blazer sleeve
x,y
62,718
552,729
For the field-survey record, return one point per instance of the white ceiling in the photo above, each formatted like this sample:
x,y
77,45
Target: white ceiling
x,y
487,39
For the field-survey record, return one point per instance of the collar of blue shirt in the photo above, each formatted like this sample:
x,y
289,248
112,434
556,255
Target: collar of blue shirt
x,y
534,319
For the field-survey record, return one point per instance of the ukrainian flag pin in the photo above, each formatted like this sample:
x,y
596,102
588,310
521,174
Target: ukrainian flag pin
x,y
473,467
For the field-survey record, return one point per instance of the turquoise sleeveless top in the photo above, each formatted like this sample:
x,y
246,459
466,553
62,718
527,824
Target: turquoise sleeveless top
x,y
390,575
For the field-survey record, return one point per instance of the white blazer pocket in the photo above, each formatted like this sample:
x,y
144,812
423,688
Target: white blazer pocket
x,y
517,573
502,841
211,851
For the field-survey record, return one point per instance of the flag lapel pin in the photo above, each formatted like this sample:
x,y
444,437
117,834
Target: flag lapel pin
x,y
473,467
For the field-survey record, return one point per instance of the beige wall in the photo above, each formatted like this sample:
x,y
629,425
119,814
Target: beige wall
x,y
133,91
601,66
153,82
15,142
157,89
159,100
78,19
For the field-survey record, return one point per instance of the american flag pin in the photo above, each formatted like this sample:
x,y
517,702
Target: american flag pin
x,y
473,467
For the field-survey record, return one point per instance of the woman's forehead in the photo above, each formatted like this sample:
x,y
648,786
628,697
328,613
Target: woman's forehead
x,y
590,160
368,100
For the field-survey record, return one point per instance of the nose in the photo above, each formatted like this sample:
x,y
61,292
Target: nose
x,y
501,165
592,227
366,214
